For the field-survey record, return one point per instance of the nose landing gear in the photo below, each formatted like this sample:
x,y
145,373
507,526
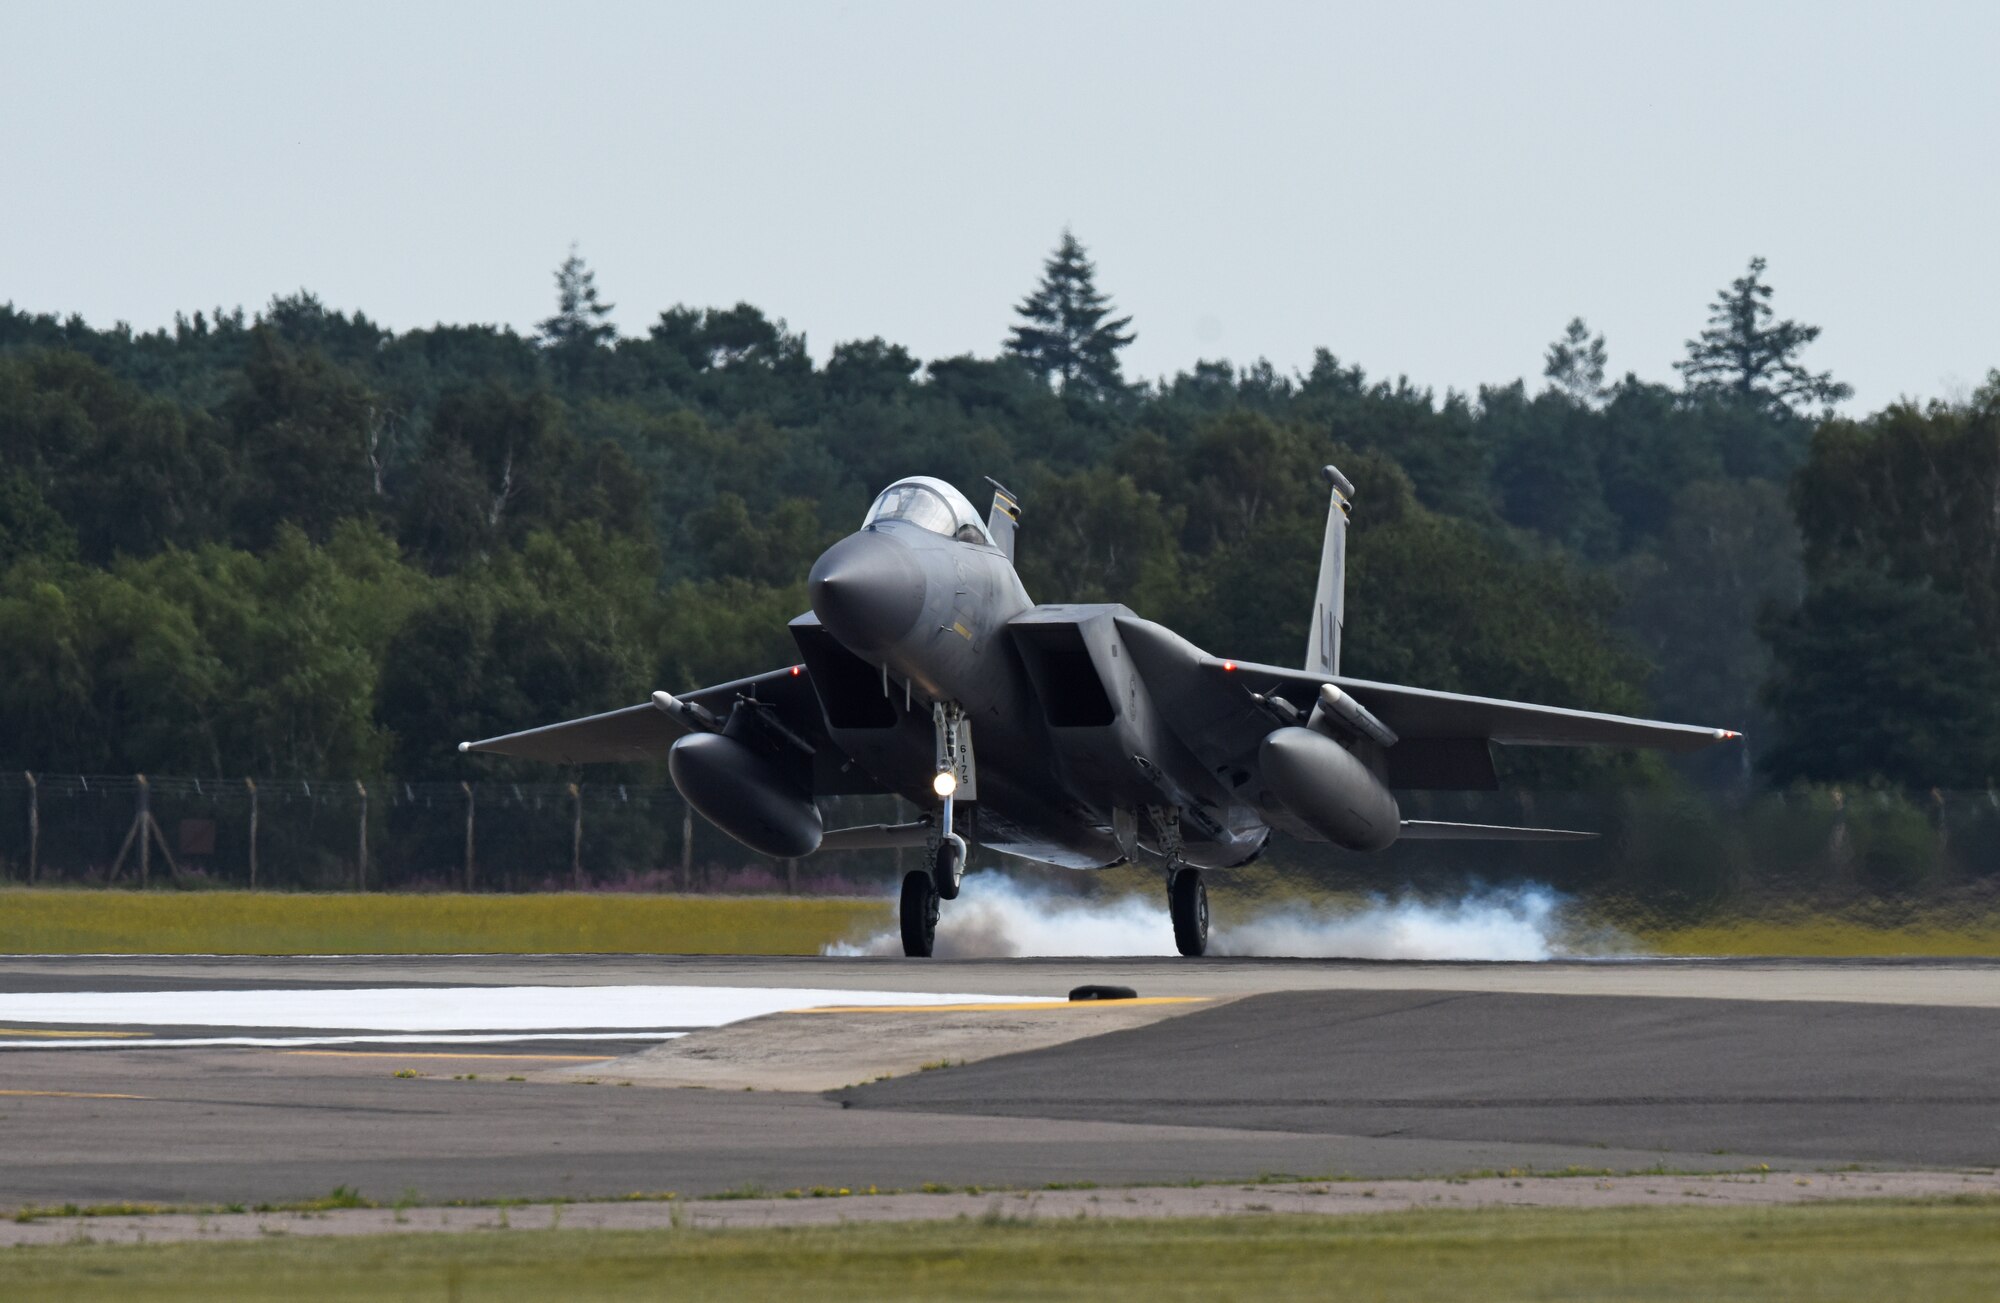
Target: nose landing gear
x,y
924,889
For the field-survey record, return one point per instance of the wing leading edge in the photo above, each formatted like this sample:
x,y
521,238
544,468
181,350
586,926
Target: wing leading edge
x,y
1425,713
644,732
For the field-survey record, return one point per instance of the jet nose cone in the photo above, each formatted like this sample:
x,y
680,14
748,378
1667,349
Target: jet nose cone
x,y
868,590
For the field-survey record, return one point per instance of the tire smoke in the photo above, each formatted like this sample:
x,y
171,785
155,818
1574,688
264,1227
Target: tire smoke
x,y
997,917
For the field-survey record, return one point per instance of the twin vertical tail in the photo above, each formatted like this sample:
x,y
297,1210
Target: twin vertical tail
x,y
1329,598
1004,520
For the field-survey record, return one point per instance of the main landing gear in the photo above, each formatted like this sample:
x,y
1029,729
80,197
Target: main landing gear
x,y
925,889
1187,896
1187,901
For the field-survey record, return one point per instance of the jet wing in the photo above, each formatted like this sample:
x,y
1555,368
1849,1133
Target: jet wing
x,y
1424,713
644,732
1211,704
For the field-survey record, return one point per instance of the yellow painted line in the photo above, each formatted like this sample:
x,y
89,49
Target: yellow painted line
x,y
385,1054
1003,1008
36,1031
71,1094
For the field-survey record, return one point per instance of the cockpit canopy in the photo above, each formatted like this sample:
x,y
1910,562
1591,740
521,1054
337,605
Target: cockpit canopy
x,y
930,504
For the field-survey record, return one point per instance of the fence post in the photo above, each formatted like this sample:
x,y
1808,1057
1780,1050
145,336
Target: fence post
x,y
34,825
576,838
467,789
687,847
251,783
142,824
361,850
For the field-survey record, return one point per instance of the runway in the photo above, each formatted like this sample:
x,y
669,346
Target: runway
x,y
245,1081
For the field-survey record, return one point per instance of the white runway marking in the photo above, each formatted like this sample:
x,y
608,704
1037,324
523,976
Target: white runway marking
x,y
490,1013
294,1042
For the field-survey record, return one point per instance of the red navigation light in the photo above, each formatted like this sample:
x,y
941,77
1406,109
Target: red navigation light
x,y
1229,667
798,670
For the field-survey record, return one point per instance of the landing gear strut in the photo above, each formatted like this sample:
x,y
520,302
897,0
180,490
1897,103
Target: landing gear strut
x,y
925,889
947,848
1187,897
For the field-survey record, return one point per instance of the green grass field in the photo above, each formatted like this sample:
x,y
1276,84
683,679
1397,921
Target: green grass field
x,y
1829,937
1933,1251
81,921
277,923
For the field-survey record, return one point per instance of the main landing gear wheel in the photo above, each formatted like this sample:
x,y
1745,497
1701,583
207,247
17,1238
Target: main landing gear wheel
x,y
920,913
1187,900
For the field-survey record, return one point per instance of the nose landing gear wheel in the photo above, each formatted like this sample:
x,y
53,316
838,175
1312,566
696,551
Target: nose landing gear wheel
x,y
1187,901
920,913
949,866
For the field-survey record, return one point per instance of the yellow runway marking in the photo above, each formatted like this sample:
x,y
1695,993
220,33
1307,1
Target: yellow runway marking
x,y
71,1094
35,1031
386,1054
1003,1008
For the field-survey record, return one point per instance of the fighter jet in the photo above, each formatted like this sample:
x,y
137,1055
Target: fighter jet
x,y
1083,736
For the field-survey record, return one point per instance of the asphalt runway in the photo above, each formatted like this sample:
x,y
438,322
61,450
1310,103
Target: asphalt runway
x,y
1313,1068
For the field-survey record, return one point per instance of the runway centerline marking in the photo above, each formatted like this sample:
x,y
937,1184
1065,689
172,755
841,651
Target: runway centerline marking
x,y
68,1094
1014,1007
390,1054
79,1035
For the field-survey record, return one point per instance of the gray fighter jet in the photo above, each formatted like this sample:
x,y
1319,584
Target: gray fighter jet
x,y
1079,736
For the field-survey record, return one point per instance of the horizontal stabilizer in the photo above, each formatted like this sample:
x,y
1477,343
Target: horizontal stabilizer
x,y
876,837
1429,831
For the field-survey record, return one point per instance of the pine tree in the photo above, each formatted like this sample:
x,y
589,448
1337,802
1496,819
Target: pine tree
x,y
1575,363
579,324
1064,336
1746,355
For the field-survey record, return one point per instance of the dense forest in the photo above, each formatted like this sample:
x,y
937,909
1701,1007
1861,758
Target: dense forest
x,y
297,544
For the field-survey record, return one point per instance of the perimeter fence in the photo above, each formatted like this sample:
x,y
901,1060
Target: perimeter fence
x,y
1681,852
381,834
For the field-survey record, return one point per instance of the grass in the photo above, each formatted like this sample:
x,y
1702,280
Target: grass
x,y
279,923
1828,936
1936,1250
85,921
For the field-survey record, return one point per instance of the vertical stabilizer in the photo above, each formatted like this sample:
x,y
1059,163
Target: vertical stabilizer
x,y
1005,518
1329,598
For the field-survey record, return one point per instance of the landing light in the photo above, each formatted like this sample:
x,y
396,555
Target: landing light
x,y
945,783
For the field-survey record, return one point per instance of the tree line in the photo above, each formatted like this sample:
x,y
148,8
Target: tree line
x,y
297,543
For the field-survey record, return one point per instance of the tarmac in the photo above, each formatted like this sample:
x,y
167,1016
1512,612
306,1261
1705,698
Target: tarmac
x,y
247,1081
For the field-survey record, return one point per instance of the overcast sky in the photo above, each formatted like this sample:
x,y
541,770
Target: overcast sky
x,y
1425,189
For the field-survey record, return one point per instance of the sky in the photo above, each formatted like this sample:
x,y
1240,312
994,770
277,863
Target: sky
x,y
1430,190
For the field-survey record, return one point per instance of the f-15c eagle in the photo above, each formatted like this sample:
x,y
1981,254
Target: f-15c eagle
x,y
1098,735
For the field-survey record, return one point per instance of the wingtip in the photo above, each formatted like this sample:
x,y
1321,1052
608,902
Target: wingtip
x,y
1726,735
465,746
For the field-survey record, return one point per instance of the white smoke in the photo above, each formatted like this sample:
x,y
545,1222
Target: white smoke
x,y
996,917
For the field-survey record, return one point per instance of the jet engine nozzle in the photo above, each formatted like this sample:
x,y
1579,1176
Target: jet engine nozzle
x,y
867,590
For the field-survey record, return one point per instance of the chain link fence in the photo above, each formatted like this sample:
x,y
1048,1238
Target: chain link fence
x,y
369,835
1680,852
